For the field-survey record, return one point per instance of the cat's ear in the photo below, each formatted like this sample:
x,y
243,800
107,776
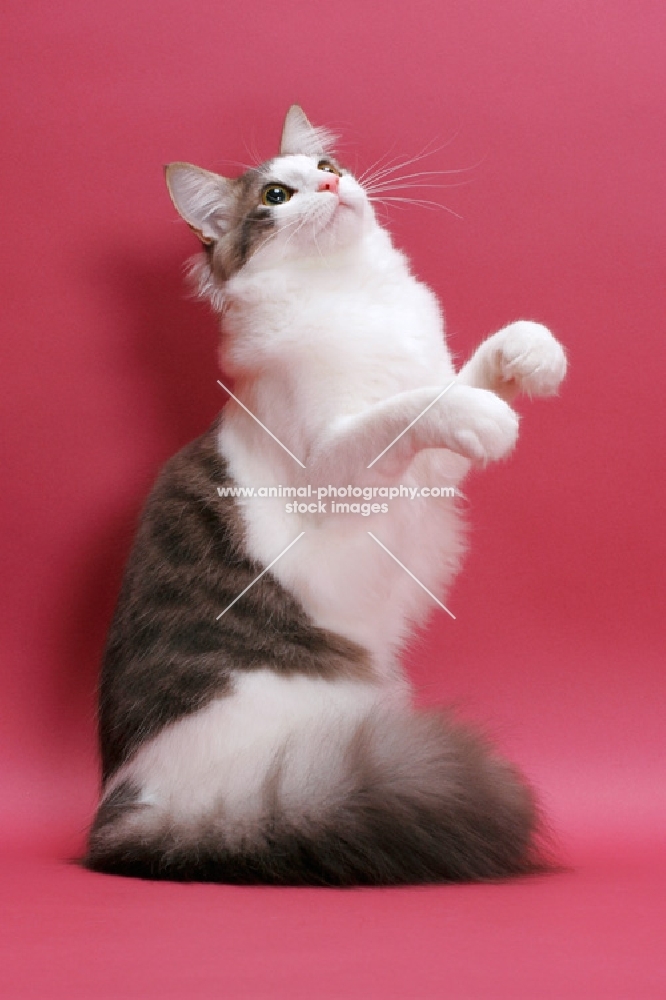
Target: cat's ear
x,y
203,199
299,136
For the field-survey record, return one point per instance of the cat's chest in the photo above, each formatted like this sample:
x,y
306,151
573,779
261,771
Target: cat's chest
x,y
376,312
347,317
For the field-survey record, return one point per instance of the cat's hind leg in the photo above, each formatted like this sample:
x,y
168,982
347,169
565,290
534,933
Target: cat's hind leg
x,y
522,357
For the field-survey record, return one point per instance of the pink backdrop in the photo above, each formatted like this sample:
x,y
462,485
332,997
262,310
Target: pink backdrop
x,y
557,109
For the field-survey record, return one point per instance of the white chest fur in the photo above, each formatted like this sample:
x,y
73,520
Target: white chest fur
x,y
333,341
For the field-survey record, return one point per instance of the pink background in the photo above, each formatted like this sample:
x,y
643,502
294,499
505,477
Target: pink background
x,y
557,108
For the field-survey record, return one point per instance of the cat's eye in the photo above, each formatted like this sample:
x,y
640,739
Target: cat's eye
x,y
275,194
328,166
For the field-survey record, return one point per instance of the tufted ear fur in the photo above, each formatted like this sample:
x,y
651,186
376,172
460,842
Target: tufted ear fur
x,y
203,199
299,136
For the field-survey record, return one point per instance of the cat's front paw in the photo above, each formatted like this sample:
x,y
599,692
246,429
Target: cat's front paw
x,y
527,358
488,430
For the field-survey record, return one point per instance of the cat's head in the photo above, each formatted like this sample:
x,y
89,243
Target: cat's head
x,y
300,205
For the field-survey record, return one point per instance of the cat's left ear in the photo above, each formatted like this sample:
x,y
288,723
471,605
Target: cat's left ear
x,y
300,137
203,199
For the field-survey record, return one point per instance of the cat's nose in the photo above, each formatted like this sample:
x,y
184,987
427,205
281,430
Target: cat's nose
x,y
332,183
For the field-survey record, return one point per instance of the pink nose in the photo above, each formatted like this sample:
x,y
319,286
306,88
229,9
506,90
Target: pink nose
x,y
332,183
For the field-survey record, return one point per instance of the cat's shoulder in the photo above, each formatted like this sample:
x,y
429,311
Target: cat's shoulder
x,y
196,467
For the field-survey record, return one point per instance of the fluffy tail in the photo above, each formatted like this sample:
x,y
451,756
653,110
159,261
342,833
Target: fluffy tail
x,y
414,799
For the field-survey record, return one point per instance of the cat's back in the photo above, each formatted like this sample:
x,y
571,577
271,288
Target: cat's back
x,y
172,647
168,599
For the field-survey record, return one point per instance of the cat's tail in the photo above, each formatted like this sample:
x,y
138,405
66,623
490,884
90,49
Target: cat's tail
x,y
394,798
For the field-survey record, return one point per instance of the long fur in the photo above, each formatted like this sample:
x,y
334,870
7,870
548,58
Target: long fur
x,y
388,798
278,742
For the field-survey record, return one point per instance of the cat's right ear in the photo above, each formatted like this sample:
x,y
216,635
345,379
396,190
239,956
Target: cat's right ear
x,y
202,198
300,136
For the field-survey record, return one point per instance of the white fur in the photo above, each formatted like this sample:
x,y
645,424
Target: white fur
x,y
523,357
337,352
336,348
299,136
216,761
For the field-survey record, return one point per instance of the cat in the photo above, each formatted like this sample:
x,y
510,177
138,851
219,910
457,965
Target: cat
x,y
255,722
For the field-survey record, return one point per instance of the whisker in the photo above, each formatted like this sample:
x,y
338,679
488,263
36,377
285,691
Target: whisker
x,y
391,167
298,223
390,186
274,232
316,242
375,164
422,202
422,153
425,152
414,175
251,150
237,163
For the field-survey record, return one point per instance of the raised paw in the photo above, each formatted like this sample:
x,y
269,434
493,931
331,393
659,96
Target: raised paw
x,y
488,430
527,357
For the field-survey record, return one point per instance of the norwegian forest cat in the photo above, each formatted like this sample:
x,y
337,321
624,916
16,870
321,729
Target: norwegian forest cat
x,y
255,721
